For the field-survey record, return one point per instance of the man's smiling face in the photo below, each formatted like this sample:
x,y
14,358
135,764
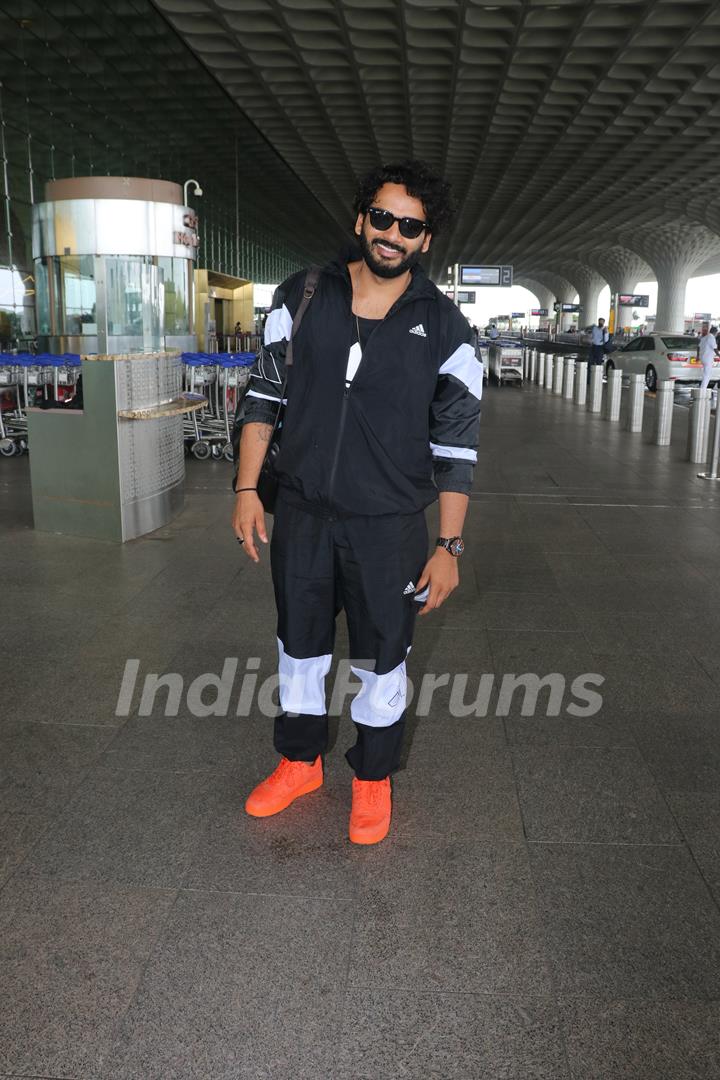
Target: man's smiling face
x,y
387,252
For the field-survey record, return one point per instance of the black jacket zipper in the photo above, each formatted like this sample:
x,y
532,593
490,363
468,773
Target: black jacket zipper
x,y
336,456
341,429
399,303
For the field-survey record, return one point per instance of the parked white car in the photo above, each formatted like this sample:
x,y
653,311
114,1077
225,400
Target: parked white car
x,y
662,355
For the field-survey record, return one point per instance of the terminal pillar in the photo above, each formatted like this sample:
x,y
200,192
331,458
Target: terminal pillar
x,y
545,296
675,252
672,286
589,284
561,289
589,294
622,269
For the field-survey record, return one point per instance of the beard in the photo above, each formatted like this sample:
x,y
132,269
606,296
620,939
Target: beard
x,y
379,266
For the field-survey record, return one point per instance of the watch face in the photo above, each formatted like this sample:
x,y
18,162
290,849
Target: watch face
x,y
457,547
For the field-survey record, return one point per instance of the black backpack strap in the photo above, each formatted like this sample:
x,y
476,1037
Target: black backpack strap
x,y
311,282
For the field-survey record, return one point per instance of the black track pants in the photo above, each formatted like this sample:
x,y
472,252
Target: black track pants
x,y
368,566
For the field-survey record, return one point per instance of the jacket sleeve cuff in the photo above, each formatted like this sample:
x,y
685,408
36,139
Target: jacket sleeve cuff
x,y
258,412
453,476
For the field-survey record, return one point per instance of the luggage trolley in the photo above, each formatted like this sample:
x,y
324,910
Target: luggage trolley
x,y
482,351
219,377
34,384
27,380
506,357
11,411
200,429
235,375
66,376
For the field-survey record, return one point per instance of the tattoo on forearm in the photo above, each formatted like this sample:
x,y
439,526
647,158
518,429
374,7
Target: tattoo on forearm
x,y
264,433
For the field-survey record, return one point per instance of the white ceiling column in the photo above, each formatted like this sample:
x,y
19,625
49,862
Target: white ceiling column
x,y
675,252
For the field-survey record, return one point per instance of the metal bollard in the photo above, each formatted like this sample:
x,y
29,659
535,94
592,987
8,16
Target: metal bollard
x,y
715,455
698,426
533,365
549,365
636,403
613,398
664,401
569,379
540,374
594,401
580,396
559,374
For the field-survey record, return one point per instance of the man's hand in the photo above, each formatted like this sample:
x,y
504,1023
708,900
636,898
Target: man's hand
x,y
248,518
442,575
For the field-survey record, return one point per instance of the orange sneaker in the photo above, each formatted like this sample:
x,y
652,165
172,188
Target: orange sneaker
x,y
289,780
371,810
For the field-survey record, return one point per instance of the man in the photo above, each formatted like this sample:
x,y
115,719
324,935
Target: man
x,y
493,332
707,351
382,418
598,340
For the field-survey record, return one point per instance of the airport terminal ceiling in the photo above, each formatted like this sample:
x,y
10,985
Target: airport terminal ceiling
x,y
88,88
580,135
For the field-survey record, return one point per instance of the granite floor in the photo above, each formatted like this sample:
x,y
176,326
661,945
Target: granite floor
x,y
547,905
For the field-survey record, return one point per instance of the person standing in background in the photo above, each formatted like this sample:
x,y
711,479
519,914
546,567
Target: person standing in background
x,y
707,351
599,338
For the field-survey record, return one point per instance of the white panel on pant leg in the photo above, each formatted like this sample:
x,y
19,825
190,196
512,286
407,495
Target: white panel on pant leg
x,y
302,682
381,700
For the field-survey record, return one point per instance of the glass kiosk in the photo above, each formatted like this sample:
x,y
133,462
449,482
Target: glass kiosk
x,y
114,260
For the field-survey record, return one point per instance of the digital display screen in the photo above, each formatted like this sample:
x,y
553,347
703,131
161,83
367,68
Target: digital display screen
x,y
479,275
633,300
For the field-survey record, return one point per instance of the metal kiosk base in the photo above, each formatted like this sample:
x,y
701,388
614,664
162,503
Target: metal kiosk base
x,y
115,469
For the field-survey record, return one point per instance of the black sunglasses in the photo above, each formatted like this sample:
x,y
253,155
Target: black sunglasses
x,y
382,220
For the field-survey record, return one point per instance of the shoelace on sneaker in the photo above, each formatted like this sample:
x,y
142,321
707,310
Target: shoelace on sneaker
x,y
285,771
375,792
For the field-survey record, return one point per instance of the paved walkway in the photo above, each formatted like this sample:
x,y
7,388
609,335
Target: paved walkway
x,y
547,903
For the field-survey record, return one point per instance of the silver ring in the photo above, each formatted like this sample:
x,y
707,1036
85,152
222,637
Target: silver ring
x,y
240,539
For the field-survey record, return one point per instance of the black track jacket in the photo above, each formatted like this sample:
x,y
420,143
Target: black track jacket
x,y
406,424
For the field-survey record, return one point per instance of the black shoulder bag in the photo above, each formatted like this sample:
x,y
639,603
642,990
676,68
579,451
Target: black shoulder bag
x,y
267,485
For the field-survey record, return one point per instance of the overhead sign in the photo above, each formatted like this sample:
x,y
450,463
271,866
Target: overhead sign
x,y
567,308
539,311
464,295
633,300
702,316
487,275
518,314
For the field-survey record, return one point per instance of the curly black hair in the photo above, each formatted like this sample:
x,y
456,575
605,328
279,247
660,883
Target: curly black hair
x,y
421,182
